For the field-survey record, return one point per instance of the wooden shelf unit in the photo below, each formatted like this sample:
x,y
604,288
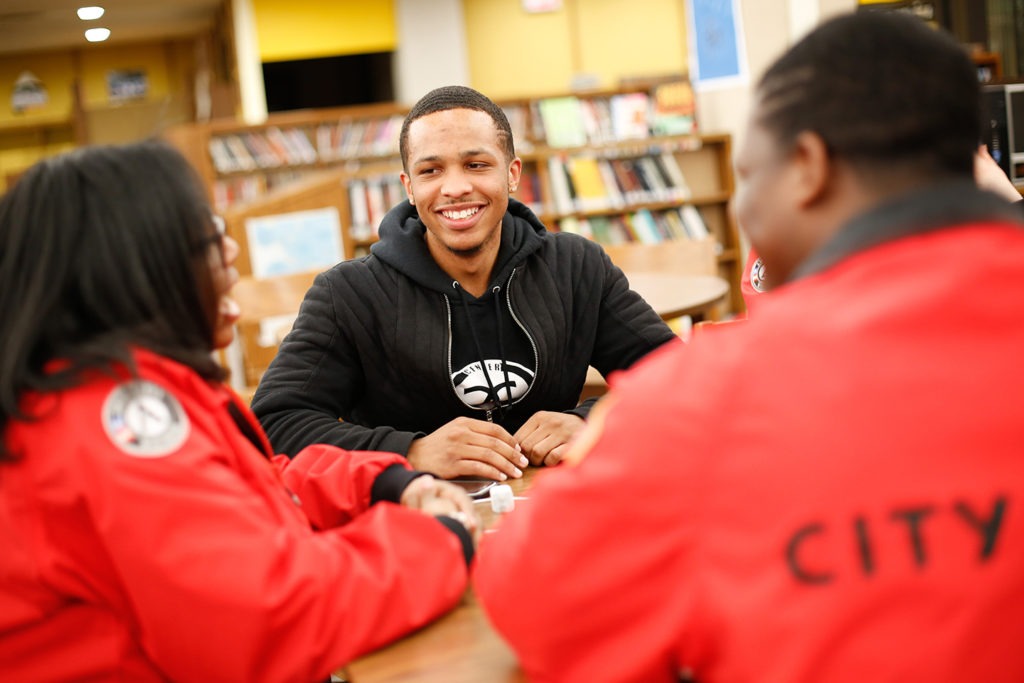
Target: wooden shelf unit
x,y
704,161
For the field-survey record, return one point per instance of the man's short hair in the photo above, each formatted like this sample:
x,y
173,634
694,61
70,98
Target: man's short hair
x,y
881,89
456,97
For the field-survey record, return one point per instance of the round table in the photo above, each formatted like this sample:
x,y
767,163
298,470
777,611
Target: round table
x,y
673,295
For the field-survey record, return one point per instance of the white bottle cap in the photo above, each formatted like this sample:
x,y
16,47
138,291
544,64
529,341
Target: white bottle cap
x,y
501,498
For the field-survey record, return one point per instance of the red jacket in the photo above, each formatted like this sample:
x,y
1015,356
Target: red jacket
x,y
831,492
146,538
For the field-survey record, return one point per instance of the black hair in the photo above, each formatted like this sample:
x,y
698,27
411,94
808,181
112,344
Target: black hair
x,y
880,89
101,250
456,97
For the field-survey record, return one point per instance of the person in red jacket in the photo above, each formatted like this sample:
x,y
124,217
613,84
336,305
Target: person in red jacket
x,y
832,491
149,533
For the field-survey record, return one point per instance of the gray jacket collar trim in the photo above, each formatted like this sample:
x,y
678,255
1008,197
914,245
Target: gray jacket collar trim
x,y
938,207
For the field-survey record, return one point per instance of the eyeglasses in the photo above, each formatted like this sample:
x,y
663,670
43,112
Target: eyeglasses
x,y
220,230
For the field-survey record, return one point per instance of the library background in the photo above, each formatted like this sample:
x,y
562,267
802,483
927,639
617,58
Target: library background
x,y
290,109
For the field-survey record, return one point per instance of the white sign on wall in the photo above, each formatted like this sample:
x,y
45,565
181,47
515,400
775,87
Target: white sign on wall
x,y
294,242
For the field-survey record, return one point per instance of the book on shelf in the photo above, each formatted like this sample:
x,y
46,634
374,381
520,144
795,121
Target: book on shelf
x,y
281,146
261,151
673,109
325,143
657,187
353,138
696,228
518,117
386,141
243,159
563,121
588,183
359,209
560,189
229,191
529,190
602,113
579,226
644,227
366,142
221,156
674,224
661,222
629,184
671,166
376,203
304,150
601,230
629,116
616,199
648,184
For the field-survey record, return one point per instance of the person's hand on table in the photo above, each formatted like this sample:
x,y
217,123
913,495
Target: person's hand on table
x,y
438,497
545,436
468,448
989,176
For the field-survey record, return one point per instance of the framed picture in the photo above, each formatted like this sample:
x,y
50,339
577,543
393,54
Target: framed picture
x,y
294,242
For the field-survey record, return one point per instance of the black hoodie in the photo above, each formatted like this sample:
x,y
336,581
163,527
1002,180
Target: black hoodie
x,y
373,342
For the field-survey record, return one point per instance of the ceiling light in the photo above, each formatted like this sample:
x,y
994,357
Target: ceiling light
x,y
97,35
90,13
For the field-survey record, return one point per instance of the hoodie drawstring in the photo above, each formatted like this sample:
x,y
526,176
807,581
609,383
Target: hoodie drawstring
x,y
499,406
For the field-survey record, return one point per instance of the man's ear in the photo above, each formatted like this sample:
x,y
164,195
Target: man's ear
x,y
814,167
407,184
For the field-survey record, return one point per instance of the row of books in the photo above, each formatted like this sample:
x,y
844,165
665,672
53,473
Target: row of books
x,y
573,121
648,227
518,119
274,147
271,147
234,189
558,121
369,199
592,183
358,139
529,191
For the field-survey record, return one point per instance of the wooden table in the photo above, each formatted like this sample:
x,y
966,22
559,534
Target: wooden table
x,y
673,295
461,647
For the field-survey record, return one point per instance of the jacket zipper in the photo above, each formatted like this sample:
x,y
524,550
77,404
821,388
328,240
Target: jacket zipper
x,y
533,345
448,308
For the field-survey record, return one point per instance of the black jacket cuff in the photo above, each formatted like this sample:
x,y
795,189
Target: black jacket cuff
x,y
390,483
455,526
583,409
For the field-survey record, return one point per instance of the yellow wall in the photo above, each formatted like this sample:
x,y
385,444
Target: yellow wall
x,y
55,70
151,58
34,134
624,38
303,29
512,53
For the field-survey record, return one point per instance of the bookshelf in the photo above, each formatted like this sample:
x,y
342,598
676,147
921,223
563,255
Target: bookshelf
x,y
616,166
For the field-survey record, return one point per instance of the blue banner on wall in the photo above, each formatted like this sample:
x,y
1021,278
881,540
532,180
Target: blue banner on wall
x,y
717,54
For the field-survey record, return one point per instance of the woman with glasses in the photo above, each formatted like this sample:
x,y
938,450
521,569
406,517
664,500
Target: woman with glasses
x,y
148,531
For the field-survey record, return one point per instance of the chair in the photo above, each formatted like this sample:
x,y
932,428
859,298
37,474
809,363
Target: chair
x,y
269,307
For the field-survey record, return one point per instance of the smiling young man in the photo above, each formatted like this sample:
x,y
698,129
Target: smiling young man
x,y
830,492
463,340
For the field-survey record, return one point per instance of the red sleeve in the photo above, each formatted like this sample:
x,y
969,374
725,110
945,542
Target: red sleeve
x,y
581,579
205,553
334,485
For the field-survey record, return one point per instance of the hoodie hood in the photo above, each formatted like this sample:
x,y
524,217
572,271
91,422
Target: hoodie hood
x,y
403,245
